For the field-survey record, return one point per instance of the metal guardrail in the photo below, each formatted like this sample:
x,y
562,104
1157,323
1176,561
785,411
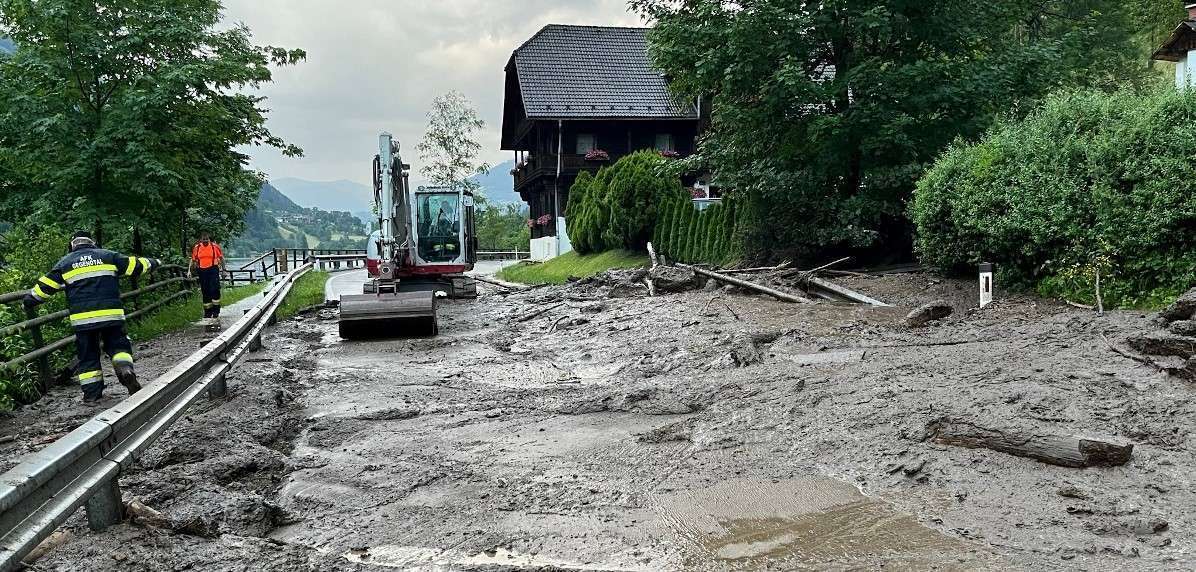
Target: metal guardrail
x,y
504,255
82,468
339,261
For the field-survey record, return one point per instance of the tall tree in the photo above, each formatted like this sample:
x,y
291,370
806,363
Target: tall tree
x,y
826,113
125,115
449,149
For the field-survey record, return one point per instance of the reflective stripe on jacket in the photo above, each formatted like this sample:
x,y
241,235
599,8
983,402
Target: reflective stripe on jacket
x,y
90,277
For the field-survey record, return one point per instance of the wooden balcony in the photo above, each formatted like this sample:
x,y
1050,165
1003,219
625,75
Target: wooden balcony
x,y
543,168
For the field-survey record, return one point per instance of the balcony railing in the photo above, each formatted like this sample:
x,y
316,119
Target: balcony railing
x,y
545,166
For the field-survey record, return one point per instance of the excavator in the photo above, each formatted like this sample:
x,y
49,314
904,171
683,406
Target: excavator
x,y
426,244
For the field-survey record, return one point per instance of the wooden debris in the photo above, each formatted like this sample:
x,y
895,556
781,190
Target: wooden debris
x,y
501,283
780,266
651,287
140,513
652,256
725,304
537,313
46,546
845,292
1061,450
826,266
783,296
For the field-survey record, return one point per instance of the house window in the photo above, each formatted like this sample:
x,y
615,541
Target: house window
x,y
586,142
664,142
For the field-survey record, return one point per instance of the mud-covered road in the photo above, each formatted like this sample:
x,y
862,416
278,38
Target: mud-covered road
x,y
705,430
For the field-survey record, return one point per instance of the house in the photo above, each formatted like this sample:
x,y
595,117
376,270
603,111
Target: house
x,y
579,98
1180,48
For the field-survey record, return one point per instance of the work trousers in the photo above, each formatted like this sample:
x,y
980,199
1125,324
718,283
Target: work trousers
x,y
115,343
209,286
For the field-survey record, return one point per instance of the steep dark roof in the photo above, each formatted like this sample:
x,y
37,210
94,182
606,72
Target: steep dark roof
x,y
574,72
1177,46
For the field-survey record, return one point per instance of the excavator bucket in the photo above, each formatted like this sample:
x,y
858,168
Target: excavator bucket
x,y
388,315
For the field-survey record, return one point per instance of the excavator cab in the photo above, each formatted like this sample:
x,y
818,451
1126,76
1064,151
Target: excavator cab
x,y
444,223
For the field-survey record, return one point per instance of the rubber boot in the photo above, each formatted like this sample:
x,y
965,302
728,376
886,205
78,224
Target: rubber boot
x,y
127,377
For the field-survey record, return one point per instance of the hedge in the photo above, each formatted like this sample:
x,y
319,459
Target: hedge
x,y
620,207
1091,182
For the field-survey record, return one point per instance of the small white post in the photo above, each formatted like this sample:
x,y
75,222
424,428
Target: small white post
x,y
986,284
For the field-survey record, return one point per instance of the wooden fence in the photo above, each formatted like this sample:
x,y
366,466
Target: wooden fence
x,y
33,323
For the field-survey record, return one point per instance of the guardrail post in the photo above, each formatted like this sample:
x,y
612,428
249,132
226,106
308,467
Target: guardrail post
x,y
43,362
105,508
281,262
219,387
256,344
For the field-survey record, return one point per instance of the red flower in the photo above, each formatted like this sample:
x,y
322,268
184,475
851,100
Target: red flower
x,y
597,155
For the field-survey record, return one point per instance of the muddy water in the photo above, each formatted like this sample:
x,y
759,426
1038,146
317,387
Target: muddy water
x,y
803,523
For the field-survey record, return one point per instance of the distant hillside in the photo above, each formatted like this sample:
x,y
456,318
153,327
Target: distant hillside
x,y
340,195
278,222
499,185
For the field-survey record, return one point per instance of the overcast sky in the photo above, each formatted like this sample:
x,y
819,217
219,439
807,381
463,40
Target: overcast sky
x,y
376,65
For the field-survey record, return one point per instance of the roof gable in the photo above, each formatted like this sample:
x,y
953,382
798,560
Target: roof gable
x,y
1177,46
577,72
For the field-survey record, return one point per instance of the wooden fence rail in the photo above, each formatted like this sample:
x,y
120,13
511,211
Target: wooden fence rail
x,y
33,322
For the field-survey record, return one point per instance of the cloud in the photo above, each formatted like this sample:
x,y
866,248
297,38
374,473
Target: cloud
x,y
376,65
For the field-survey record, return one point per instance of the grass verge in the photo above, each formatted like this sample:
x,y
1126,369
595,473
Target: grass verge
x,y
559,269
308,291
178,315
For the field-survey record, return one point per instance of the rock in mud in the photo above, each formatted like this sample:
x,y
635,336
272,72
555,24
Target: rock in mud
x,y
673,279
1182,327
936,310
671,433
1163,344
1182,309
711,285
627,291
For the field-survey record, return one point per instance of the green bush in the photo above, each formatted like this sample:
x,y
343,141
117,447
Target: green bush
x,y
621,205
1091,182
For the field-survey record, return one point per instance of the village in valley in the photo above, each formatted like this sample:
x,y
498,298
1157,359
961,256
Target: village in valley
x,y
650,285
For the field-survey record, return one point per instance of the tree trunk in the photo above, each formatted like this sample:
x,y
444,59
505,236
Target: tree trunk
x,y
138,247
1061,450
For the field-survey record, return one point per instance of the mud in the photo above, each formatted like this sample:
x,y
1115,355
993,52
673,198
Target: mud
x,y
632,433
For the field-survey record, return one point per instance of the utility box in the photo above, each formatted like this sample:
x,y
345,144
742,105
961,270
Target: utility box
x,y
986,284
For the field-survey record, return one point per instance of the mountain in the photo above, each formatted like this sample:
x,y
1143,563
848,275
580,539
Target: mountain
x,y
342,195
499,185
276,221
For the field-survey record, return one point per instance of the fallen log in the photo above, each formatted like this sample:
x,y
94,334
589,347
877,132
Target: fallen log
x,y
783,296
536,313
780,266
501,283
844,292
46,546
1061,450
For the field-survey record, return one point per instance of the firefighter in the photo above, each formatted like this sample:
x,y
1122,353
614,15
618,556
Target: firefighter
x,y
210,259
90,276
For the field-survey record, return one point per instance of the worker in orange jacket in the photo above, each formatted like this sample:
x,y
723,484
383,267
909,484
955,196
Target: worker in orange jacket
x,y
209,258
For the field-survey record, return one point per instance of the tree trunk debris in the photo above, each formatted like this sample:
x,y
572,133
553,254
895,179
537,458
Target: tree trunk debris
x,y
1061,450
502,283
537,313
783,296
845,292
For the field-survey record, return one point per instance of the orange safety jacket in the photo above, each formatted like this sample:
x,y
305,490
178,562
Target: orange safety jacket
x,y
206,256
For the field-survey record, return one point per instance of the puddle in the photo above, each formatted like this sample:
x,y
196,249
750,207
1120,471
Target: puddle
x,y
811,523
430,559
